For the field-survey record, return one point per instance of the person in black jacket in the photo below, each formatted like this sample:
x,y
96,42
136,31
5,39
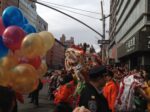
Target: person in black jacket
x,y
91,96
7,100
35,94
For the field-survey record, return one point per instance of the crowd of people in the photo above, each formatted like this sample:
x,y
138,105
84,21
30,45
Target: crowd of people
x,y
85,84
108,89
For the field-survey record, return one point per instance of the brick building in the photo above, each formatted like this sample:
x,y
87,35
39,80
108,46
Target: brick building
x,y
55,57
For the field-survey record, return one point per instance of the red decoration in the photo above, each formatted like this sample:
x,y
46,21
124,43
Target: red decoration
x,y
78,48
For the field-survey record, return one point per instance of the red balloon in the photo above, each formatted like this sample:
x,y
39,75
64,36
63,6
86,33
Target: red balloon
x,y
2,27
12,37
36,62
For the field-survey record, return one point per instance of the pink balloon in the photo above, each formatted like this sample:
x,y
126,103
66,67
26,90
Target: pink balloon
x,y
36,62
12,37
2,27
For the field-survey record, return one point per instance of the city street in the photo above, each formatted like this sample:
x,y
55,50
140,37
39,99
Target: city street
x,y
75,55
44,104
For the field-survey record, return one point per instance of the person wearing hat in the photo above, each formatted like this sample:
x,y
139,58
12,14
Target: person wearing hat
x,y
110,90
91,96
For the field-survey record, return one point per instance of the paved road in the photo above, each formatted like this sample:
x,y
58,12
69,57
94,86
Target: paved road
x,y
44,104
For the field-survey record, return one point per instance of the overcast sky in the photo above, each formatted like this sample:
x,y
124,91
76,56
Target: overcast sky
x,y
59,24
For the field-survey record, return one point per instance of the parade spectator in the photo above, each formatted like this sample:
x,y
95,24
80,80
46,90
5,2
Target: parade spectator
x,y
7,100
60,79
91,96
64,95
35,94
147,90
110,90
19,97
53,84
143,101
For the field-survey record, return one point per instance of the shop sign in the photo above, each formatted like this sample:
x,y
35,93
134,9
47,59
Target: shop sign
x,y
139,42
130,45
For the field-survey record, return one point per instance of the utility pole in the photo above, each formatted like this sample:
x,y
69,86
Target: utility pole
x,y
103,47
103,38
103,19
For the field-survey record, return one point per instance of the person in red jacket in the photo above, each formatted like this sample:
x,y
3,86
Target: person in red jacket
x,y
110,90
64,95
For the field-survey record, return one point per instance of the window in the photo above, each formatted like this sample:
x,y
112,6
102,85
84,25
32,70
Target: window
x,y
148,9
148,6
32,6
44,27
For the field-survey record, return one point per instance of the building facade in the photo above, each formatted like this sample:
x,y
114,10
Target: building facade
x,y
67,43
6,3
130,32
41,24
29,10
55,57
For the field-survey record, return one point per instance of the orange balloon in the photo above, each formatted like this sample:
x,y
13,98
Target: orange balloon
x,y
4,77
42,69
32,46
48,38
24,78
9,62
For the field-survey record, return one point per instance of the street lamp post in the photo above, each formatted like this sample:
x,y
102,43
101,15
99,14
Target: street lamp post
x,y
81,22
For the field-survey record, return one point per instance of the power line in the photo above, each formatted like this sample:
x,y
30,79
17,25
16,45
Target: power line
x,y
68,16
71,7
75,12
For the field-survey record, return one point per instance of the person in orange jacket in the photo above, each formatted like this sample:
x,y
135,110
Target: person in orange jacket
x,y
110,90
64,95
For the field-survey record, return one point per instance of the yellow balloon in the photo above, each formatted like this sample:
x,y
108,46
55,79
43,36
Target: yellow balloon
x,y
4,77
48,38
18,53
32,46
9,62
24,78
42,69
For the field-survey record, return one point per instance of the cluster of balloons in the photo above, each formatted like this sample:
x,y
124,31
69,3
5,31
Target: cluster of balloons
x,y
21,51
